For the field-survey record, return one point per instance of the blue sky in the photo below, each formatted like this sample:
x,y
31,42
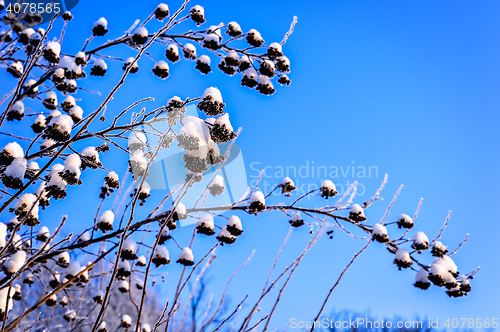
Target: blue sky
x,y
410,88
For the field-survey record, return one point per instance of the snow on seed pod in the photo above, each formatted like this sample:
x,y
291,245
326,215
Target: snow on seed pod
x,y
284,80
287,186
186,257
67,16
405,221
25,35
30,88
172,53
211,41
76,113
80,58
164,236
267,68
123,286
254,38
203,64
10,152
205,225
140,35
98,297
27,203
51,301
90,158
124,270
234,29
257,202
250,78
225,237
135,67
197,14
13,175
421,280
52,51
15,69
211,102
16,111
43,234
105,221
222,130
161,12
420,241
99,68
439,249
161,256
296,221
100,27
402,259
14,262
216,186
380,233
128,250
265,85
102,327
245,63
357,213
160,69
189,51
328,189
283,64
59,128
141,261
225,68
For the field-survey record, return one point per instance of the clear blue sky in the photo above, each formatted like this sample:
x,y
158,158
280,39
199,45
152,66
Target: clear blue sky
x,y
408,87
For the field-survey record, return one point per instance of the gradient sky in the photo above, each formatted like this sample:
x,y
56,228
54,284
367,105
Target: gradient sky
x,y
408,87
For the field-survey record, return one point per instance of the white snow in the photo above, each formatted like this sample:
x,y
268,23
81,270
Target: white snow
x,y
258,196
217,181
74,268
129,245
15,261
254,33
161,65
59,73
180,209
14,150
54,47
29,200
287,181
264,80
107,217
224,120
234,26
189,48
18,107
161,251
211,37
73,163
357,209
448,263
43,232
27,32
47,143
403,255
126,319
198,9
40,119
124,285
17,66
163,7
101,22
214,92
422,276
276,46
328,185
63,258
233,55
438,245
141,260
84,237
420,238
4,293
112,175
124,265
172,48
90,152
405,218
67,63
80,55
207,221
225,233
33,165
146,328
251,73
204,59
3,234
141,32
64,122
137,138
69,100
101,64
438,269
187,254
138,157
379,229
235,222
76,111
17,168
55,178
